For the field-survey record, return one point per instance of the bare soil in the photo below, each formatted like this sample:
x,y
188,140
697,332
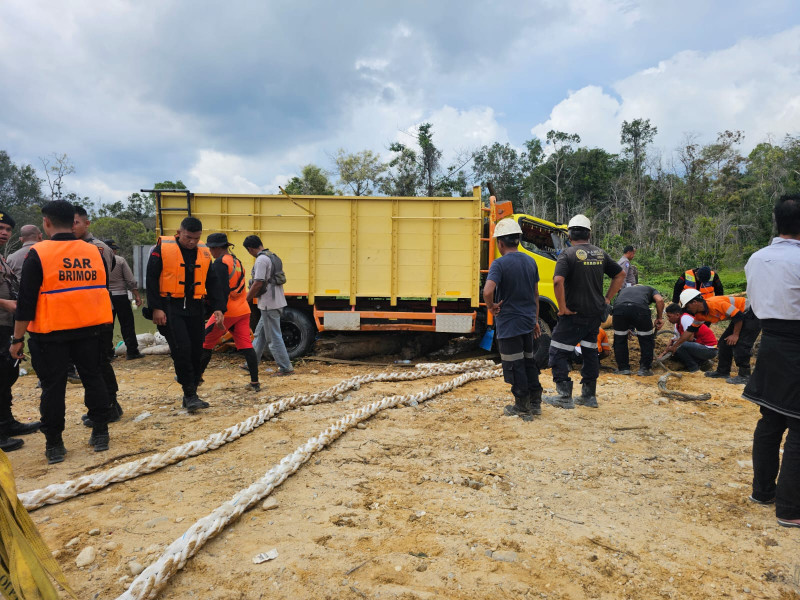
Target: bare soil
x,y
642,498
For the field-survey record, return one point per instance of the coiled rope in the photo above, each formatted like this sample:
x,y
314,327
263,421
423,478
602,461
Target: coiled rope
x,y
150,581
59,492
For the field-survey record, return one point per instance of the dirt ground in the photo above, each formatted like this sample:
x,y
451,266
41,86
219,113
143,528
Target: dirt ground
x,y
642,498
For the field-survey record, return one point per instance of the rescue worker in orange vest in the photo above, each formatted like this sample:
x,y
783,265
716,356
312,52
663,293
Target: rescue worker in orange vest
x,y
702,279
64,304
179,281
229,269
735,343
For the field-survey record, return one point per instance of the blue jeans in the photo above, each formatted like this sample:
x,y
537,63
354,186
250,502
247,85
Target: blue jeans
x,y
268,333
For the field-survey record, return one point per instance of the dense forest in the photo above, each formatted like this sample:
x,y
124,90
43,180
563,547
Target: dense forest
x,y
705,203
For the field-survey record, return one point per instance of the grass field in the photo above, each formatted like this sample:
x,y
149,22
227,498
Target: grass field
x,y
142,325
733,280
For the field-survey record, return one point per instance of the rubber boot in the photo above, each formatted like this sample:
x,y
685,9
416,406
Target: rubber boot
x,y
742,378
535,403
99,438
563,399
518,409
588,397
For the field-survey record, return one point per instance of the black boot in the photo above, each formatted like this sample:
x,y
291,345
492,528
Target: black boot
x,y
563,399
192,403
54,449
99,438
535,402
518,409
10,426
9,444
115,413
742,378
588,397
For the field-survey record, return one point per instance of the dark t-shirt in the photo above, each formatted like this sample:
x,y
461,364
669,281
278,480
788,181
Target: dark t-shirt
x,y
639,295
582,266
515,276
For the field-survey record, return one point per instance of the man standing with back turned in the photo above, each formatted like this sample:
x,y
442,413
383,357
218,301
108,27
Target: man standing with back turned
x,y
773,287
64,305
179,277
578,286
511,293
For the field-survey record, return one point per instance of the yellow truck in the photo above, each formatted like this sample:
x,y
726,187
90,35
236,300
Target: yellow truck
x,y
365,263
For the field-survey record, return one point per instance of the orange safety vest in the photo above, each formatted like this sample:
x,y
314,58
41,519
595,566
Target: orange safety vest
x,y
237,298
171,281
706,287
73,294
720,308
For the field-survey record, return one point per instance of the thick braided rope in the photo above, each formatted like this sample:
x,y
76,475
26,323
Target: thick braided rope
x,y
150,581
58,492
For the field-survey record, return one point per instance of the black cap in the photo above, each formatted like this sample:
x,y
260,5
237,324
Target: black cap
x,y
6,218
703,274
111,244
217,240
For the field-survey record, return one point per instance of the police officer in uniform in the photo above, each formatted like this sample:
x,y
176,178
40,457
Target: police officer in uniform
x,y
578,286
179,281
80,227
64,305
9,367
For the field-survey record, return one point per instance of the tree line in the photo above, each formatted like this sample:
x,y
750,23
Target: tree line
x,y
704,203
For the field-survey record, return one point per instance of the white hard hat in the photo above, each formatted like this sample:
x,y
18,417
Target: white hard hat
x,y
688,295
580,221
507,227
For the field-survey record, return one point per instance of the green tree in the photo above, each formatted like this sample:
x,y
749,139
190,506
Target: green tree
x,y
360,172
403,175
125,233
313,181
20,194
500,165
554,169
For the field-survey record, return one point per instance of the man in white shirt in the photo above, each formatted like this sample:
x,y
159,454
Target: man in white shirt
x,y
773,288
271,302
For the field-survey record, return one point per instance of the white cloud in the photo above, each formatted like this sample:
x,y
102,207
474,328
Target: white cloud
x,y
753,86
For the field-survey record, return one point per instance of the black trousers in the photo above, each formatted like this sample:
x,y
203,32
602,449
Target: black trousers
x,y
107,370
630,316
518,355
185,335
743,349
767,467
123,311
51,359
569,331
9,372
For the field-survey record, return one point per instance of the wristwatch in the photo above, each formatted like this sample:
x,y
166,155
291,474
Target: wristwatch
x,y
17,340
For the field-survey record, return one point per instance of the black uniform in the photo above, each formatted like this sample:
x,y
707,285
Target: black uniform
x,y
632,311
582,267
52,354
184,330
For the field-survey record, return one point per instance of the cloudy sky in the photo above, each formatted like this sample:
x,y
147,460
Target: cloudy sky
x,y
236,96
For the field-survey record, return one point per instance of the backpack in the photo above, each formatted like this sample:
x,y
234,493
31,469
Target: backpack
x,y
278,277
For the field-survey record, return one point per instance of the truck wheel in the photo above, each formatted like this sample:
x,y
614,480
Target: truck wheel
x,y
545,327
299,332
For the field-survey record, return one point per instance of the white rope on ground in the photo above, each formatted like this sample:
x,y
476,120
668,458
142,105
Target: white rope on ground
x,y
58,492
150,581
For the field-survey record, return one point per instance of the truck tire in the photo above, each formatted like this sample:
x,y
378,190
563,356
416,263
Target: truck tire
x,y
298,330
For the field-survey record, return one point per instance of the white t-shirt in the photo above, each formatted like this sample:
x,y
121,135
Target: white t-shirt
x,y
262,270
